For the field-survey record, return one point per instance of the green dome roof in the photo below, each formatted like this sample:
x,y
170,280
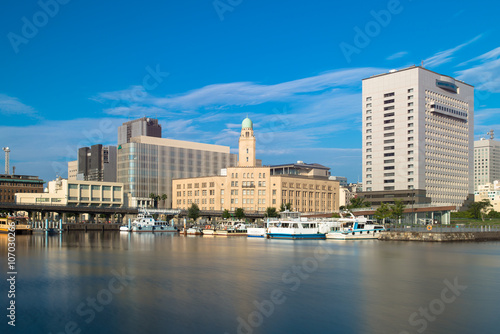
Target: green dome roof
x,y
247,123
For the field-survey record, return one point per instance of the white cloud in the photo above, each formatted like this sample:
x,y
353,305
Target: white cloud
x,y
447,55
397,55
44,149
485,74
242,93
12,106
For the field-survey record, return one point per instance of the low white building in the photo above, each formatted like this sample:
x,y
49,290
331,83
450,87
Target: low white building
x,y
77,193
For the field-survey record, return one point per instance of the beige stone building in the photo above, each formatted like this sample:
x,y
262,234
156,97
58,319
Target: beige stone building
x,y
255,188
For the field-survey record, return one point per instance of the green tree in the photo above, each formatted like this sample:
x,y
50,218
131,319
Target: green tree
x,y
164,198
358,202
397,210
478,209
226,214
282,207
271,212
288,206
194,211
383,212
153,199
493,214
239,213
335,215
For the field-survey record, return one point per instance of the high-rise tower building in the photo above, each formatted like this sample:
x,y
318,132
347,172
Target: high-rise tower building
x,y
139,127
486,162
97,163
418,137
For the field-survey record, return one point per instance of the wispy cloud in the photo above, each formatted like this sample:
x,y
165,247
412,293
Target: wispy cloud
x,y
485,73
12,106
60,141
447,55
242,93
397,55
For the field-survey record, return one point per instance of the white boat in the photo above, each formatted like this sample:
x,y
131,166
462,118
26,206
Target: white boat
x,y
231,229
355,228
146,223
293,229
256,232
194,231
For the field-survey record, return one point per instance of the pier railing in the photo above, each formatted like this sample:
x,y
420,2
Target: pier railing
x,y
443,229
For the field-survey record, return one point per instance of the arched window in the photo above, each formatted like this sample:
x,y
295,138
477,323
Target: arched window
x,y
247,150
247,134
247,159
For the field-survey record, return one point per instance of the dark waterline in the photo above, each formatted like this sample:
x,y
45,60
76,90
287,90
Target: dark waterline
x,y
177,284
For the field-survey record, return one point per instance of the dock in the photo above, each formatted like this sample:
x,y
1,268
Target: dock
x,y
442,234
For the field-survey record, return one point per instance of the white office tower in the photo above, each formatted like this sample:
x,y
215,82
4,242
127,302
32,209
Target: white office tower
x,y
418,135
486,161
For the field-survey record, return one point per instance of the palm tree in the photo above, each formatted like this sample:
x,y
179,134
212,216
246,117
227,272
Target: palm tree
x,y
153,198
164,198
358,202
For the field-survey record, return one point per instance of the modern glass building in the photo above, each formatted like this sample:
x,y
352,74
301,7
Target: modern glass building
x,y
147,166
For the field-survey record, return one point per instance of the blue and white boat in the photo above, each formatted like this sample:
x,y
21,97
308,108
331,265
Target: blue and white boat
x,y
355,228
294,229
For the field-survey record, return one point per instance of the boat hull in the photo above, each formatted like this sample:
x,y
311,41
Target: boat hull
x,y
315,236
352,235
155,229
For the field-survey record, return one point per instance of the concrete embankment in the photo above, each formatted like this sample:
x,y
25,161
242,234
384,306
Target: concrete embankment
x,y
439,236
91,227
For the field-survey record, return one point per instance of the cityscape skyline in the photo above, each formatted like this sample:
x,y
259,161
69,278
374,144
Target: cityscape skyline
x,y
200,71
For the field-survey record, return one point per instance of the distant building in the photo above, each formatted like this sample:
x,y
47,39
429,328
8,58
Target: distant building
x,y
139,127
486,162
147,166
72,169
77,193
418,137
97,163
12,184
255,188
342,180
490,191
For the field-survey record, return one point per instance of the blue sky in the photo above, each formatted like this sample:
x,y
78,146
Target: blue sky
x,y
72,71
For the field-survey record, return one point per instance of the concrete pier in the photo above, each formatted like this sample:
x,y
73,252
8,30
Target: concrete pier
x,y
439,236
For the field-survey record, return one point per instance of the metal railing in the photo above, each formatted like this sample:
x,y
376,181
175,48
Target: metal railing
x,y
443,229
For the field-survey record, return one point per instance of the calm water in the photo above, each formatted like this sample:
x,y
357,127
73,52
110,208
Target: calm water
x,y
143,283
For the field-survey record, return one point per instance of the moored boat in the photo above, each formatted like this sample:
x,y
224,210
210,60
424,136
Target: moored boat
x,y
12,224
290,229
146,223
356,228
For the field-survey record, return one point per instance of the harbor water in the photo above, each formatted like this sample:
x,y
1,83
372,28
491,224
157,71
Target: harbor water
x,y
112,282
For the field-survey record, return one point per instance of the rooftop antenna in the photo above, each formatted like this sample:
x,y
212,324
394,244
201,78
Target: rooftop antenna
x,y
7,151
422,63
491,133
13,170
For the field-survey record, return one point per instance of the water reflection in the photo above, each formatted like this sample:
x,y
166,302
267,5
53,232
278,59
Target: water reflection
x,y
215,285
